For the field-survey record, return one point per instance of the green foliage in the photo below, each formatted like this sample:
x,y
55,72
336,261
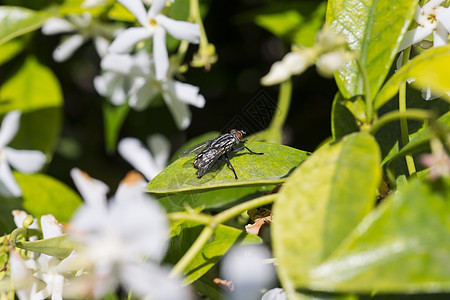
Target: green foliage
x,y
113,118
43,194
321,203
364,25
17,21
185,233
252,170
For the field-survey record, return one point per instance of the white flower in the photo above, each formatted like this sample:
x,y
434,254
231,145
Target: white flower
x,y
83,28
154,25
149,164
93,3
274,294
431,19
329,63
26,161
130,230
246,268
133,77
292,63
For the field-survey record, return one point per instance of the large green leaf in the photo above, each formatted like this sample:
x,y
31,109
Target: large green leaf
x,y
374,30
342,120
428,69
12,48
16,21
60,246
185,233
272,168
321,203
401,247
43,194
32,87
113,118
211,199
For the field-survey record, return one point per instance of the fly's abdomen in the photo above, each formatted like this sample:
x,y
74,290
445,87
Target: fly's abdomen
x,y
205,160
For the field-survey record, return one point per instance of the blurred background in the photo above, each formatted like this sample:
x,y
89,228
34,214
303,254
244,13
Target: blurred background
x,y
249,36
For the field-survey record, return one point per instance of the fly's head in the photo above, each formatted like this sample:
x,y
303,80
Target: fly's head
x,y
238,134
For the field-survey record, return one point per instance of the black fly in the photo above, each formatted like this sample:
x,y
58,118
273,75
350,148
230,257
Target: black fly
x,y
210,151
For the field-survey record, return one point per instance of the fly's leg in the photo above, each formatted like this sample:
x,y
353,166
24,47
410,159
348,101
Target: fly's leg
x,y
231,166
245,147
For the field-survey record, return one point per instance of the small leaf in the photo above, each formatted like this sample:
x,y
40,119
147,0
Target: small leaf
x,y
17,20
401,247
43,194
185,233
31,88
60,246
321,203
374,30
253,170
342,120
113,117
12,48
428,69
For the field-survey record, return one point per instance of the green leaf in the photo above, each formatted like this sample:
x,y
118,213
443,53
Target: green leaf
x,y
60,246
401,247
113,117
32,87
211,199
342,120
428,69
43,194
272,168
17,20
321,203
374,30
10,49
185,233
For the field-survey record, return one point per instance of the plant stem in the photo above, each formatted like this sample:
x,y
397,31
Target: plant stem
x,y
367,93
403,121
419,114
208,231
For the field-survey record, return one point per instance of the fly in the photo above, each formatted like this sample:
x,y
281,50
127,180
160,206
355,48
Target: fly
x,y
210,151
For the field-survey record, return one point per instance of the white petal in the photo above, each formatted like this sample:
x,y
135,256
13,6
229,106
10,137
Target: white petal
x,y
160,54
188,93
93,191
68,47
119,63
277,74
160,147
440,36
125,41
179,110
428,95
56,26
275,294
141,93
50,227
155,9
101,45
444,18
8,184
432,4
136,7
180,30
26,161
133,151
10,126
414,36
152,281
20,216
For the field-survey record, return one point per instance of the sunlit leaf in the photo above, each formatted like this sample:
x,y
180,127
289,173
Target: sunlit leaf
x,y
429,69
272,168
321,203
374,30
60,246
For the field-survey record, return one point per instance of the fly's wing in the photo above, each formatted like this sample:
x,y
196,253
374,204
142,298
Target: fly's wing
x,y
205,160
195,149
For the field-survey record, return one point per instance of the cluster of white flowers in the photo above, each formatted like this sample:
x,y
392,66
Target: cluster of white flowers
x,y
122,241
329,53
129,75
